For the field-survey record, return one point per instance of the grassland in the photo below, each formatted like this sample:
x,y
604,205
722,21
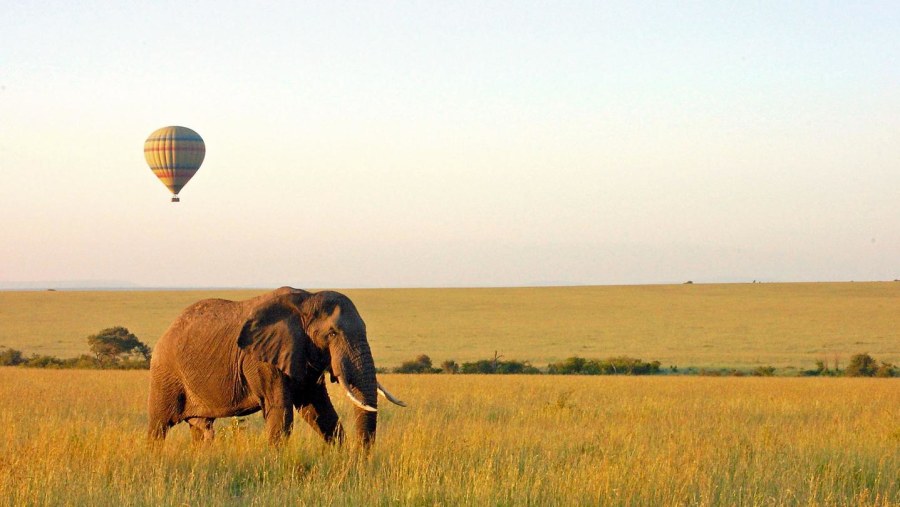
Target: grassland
x,y
735,325
77,438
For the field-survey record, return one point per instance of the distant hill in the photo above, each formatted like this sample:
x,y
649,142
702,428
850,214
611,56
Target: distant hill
x,y
69,285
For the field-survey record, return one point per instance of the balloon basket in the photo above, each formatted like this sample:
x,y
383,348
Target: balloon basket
x,y
175,198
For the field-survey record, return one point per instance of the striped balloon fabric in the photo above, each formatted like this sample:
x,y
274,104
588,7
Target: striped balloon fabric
x,y
174,154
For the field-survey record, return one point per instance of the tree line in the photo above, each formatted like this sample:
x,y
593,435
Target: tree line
x,y
118,348
860,365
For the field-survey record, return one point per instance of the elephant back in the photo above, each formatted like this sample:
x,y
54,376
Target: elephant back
x,y
200,347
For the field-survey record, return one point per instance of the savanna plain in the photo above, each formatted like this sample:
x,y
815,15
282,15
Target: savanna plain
x,y
78,436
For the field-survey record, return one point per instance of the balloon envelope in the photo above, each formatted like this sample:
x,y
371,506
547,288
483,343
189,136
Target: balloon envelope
x,y
174,154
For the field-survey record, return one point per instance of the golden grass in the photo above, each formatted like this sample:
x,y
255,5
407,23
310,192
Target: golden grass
x,y
77,437
736,325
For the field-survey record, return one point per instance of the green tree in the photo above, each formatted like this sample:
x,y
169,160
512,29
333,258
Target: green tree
x,y
861,365
116,346
10,357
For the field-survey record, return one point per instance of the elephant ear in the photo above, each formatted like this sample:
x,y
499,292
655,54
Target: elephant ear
x,y
274,334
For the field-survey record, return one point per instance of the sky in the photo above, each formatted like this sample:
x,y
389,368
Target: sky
x,y
399,144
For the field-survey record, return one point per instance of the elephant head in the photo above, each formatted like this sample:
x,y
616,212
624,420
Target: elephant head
x,y
308,334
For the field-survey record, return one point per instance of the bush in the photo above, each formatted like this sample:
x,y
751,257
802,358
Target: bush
x,y
10,357
482,366
621,365
822,367
630,366
821,370
886,370
764,371
517,367
492,366
37,361
571,366
450,366
421,364
861,365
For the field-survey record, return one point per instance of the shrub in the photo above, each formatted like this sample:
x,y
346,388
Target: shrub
x,y
886,370
630,366
621,365
421,364
571,366
39,361
10,357
517,367
450,366
764,371
821,370
821,366
491,366
482,366
861,365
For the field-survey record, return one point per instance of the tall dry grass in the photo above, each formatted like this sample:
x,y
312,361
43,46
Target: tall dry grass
x,y
77,437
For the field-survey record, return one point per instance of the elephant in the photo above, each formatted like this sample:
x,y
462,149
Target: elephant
x,y
225,358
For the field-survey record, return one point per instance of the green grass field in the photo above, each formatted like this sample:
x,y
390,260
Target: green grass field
x,y
76,437
734,325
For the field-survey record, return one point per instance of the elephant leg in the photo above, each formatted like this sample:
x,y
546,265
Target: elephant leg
x,y
164,406
270,387
279,419
202,429
316,409
158,419
157,430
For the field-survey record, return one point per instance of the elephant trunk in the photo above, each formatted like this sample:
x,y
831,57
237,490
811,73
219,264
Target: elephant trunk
x,y
355,371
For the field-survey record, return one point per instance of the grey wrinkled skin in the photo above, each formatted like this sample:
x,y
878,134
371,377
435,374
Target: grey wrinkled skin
x,y
229,358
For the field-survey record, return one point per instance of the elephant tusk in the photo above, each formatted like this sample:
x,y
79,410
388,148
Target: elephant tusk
x,y
354,399
360,404
382,391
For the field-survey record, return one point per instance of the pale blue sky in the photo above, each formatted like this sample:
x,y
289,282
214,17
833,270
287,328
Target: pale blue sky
x,y
479,143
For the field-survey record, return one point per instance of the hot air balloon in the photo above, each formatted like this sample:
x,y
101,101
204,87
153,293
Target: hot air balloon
x,y
174,154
